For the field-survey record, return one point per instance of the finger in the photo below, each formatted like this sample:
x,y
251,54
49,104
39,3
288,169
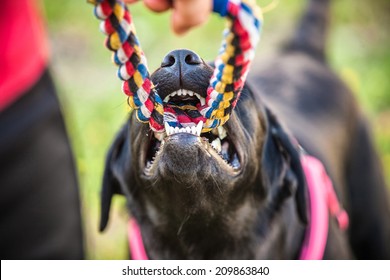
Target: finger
x,y
189,13
158,5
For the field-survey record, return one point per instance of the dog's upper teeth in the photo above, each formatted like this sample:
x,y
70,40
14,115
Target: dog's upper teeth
x,y
185,92
166,99
216,144
201,99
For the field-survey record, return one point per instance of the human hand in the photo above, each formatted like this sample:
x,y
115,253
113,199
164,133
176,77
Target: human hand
x,y
186,13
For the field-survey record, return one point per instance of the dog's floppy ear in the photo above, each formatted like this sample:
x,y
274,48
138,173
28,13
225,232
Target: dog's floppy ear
x,y
295,178
111,184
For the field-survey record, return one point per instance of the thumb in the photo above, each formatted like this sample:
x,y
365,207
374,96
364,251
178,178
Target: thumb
x,y
189,13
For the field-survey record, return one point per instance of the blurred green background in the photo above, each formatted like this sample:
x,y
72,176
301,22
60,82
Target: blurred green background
x,y
95,107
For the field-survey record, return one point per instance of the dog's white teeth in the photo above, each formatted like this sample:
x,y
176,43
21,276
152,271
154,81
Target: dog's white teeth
x,y
199,127
166,99
167,128
169,96
221,132
216,144
185,92
185,129
201,99
193,130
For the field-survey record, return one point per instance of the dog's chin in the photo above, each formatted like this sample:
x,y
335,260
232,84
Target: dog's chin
x,y
188,175
187,157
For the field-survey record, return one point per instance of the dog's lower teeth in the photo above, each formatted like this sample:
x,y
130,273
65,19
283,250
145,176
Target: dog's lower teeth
x,y
216,144
193,130
169,130
221,132
199,128
217,137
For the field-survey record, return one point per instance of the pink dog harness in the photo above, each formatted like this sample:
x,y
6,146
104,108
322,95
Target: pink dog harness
x,y
323,201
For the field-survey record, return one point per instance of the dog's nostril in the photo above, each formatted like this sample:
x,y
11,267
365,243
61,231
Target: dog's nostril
x,y
168,61
180,59
192,59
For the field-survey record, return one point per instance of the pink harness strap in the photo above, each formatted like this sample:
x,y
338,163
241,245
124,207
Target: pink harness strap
x,y
322,198
137,249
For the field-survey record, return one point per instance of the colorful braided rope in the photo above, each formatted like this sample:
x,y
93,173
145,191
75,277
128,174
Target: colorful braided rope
x,y
231,66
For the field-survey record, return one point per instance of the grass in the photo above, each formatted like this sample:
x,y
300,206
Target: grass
x,y
95,107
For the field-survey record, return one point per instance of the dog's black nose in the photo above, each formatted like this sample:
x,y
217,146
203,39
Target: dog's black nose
x,y
181,60
182,69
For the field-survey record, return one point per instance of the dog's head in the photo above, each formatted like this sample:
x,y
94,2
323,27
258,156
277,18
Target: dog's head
x,y
225,182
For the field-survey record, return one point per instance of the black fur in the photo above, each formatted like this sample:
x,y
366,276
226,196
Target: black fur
x,y
192,206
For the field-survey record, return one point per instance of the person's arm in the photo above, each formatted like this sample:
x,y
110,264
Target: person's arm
x,y
186,13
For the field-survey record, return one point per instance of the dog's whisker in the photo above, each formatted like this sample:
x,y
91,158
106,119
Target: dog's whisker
x,y
186,218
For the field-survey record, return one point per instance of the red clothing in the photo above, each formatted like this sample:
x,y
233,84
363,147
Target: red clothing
x,y
23,49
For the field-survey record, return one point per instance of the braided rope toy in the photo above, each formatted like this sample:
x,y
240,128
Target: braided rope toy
x,y
241,36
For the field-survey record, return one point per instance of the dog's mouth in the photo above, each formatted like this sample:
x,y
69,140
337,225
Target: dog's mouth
x,y
182,105
182,110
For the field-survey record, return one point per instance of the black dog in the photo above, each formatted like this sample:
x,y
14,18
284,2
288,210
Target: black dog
x,y
239,192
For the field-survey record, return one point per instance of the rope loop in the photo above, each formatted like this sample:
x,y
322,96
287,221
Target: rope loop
x,y
242,33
